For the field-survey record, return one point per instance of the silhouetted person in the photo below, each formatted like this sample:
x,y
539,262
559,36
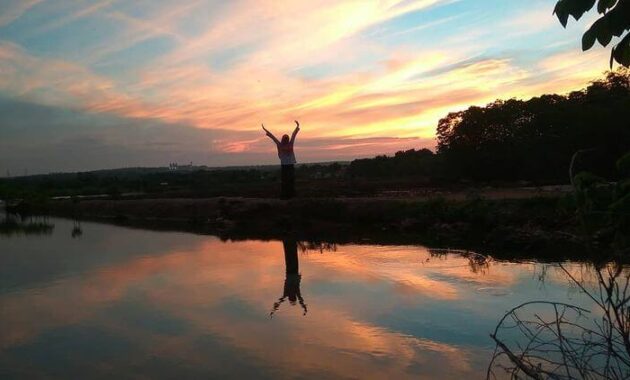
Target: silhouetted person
x,y
287,160
292,279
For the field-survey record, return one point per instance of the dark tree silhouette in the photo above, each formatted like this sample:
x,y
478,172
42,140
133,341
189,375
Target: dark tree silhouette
x,y
535,139
614,21
404,163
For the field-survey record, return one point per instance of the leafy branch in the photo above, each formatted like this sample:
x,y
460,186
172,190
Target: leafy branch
x,y
614,22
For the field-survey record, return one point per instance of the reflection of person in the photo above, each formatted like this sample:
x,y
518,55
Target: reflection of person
x,y
287,160
292,280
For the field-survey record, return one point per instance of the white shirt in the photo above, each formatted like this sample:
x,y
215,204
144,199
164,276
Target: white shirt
x,y
286,158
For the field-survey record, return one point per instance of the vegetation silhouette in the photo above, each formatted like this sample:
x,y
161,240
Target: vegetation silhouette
x,y
536,139
554,340
15,225
478,263
614,21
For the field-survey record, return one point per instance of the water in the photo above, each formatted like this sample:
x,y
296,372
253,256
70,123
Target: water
x,y
96,301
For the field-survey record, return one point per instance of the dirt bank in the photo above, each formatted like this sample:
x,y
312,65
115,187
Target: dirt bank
x,y
525,224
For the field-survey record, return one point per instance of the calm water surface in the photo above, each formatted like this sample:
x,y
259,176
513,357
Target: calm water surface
x,y
114,302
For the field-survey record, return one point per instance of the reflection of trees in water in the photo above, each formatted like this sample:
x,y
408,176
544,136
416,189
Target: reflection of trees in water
x,y
13,224
477,262
552,340
77,230
306,246
291,290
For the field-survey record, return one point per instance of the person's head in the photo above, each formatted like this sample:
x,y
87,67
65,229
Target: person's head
x,y
285,139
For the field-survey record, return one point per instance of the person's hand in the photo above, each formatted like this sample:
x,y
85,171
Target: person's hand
x,y
265,129
297,125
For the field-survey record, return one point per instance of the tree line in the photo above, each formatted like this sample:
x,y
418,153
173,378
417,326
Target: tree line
x,y
532,140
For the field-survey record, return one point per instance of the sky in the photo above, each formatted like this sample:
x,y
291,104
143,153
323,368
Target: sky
x,y
90,85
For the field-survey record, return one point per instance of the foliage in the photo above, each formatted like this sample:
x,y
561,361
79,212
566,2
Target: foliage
x,y
535,139
623,165
256,181
404,163
614,21
604,208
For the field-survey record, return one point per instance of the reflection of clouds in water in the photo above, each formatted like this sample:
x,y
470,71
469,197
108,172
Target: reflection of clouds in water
x,y
183,286
494,291
185,303
333,333
415,270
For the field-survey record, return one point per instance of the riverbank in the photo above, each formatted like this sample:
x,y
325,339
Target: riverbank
x,y
510,225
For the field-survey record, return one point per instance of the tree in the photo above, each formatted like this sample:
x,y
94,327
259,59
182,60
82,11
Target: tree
x,y
614,21
535,139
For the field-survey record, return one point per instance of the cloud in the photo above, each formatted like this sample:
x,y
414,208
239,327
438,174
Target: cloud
x,y
228,66
535,20
53,81
424,26
288,33
87,10
11,10
41,138
565,71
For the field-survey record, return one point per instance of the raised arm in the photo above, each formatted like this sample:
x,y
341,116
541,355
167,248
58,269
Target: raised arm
x,y
270,135
295,131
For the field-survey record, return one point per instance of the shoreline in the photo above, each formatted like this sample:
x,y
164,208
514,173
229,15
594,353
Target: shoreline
x,y
544,227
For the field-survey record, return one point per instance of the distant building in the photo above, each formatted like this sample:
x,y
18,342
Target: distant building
x,y
190,167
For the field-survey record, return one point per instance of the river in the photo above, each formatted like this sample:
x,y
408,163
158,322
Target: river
x,y
91,300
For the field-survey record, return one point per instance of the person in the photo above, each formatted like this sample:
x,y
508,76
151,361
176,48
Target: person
x,y
291,290
287,160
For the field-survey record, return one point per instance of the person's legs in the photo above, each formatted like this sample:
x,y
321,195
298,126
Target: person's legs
x,y
291,181
284,173
288,182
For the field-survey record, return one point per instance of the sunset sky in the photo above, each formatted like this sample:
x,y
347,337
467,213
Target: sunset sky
x,y
102,84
